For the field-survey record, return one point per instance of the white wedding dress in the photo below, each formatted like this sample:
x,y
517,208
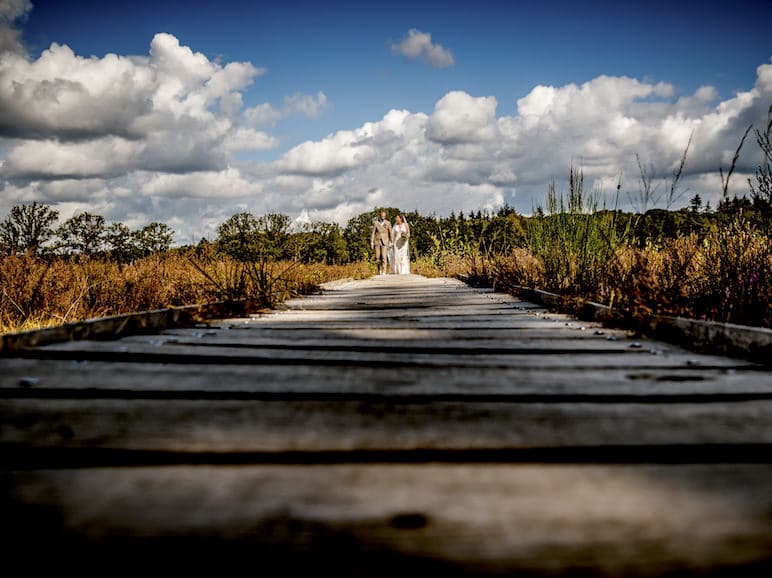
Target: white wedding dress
x,y
401,259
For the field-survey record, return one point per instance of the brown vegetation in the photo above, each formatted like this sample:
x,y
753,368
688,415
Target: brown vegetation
x,y
723,275
37,292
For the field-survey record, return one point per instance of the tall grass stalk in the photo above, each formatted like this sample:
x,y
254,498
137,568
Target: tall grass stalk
x,y
732,166
575,239
673,194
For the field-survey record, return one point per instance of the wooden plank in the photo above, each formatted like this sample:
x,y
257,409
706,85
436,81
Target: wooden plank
x,y
397,520
374,315
476,323
420,302
33,375
472,322
401,295
246,330
376,424
516,320
305,342
602,357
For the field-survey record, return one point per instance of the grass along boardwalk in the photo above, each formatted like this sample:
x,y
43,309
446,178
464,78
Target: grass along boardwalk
x,y
390,426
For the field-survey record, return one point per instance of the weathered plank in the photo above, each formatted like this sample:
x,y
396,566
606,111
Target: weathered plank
x,y
379,424
30,376
414,339
555,345
398,520
475,312
243,329
531,356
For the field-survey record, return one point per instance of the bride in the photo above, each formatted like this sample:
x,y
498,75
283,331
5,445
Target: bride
x,y
400,232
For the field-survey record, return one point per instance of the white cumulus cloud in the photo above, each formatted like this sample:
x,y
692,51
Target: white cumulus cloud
x,y
417,44
459,117
10,12
226,184
308,105
171,110
342,151
263,114
246,139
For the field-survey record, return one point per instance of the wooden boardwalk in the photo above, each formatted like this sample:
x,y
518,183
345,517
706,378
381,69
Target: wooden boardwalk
x,y
393,426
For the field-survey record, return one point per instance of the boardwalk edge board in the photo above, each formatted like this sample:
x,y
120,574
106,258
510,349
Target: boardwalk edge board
x,y
152,321
116,326
754,343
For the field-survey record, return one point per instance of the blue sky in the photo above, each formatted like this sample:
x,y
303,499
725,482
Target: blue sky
x,y
213,107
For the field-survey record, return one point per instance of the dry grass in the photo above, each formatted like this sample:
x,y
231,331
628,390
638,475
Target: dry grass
x,y
724,275
444,264
37,293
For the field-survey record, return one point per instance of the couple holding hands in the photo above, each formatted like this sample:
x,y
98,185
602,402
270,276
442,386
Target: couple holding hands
x,y
390,245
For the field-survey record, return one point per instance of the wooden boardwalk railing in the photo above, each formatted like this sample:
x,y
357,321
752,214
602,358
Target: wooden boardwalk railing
x,y
393,426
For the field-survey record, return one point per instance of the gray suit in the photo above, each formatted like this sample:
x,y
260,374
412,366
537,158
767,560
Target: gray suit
x,y
380,238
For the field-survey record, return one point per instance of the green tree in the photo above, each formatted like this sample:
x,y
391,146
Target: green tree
x,y
27,227
357,236
320,243
120,243
83,233
239,237
504,232
153,238
273,230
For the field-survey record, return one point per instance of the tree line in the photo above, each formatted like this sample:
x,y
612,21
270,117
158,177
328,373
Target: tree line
x,y
33,228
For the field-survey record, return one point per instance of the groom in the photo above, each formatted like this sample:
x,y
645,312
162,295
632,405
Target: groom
x,y
380,239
